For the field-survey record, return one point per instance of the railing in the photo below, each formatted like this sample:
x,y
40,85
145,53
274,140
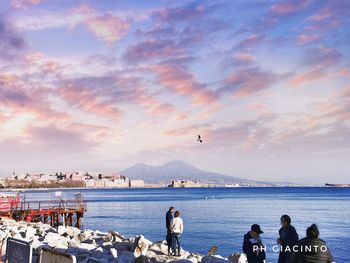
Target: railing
x,y
59,203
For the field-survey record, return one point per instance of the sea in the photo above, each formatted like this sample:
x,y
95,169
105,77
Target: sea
x,y
219,216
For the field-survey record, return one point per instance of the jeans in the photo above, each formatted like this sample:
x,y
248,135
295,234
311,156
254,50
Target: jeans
x,y
176,242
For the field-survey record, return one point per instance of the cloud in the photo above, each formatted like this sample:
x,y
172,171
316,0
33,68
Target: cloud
x,y
24,3
105,95
180,14
247,81
152,49
11,43
187,130
322,57
311,75
251,41
178,80
107,27
290,6
20,96
307,38
316,61
58,139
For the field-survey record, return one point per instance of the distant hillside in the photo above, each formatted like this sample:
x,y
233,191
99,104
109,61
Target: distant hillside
x,y
176,170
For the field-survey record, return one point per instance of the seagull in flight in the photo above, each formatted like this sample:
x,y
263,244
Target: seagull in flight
x,y
199,139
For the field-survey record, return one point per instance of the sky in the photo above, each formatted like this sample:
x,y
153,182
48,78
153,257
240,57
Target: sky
x,y
102,85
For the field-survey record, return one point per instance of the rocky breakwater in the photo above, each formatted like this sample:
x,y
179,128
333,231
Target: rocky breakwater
x,y
100,246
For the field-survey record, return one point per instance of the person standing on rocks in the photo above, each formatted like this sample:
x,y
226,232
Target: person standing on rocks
x,y
253,246
288,237
168,218
176,227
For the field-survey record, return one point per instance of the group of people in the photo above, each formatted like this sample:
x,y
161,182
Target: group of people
x,y
310,249
175,227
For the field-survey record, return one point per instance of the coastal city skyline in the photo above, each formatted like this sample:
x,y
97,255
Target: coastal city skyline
x,y
103,85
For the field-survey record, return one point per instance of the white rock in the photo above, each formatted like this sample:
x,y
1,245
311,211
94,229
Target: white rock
x,y
73,231
142,246
113,252
30,233
61,230
85,246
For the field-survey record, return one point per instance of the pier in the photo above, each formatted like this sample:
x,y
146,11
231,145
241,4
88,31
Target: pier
x,y
53,212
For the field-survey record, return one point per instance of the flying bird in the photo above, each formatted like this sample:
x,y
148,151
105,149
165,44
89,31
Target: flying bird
x,y
199,139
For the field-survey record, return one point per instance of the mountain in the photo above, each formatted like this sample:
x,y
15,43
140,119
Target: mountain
x,y
177,170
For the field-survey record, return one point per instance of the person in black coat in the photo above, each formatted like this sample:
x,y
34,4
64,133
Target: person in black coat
x,y
168,217
288,237
312,249
253,246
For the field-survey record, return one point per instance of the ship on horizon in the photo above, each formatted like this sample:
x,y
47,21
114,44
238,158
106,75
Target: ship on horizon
x,y
337,185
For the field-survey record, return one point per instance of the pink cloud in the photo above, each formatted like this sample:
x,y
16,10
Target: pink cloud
x,y
44,65
107,27
105,95
343,72
251,40
244,57
24,3
321,15
307,38
178,80
311,75
20,96
162,109
87,100
290,6
245,82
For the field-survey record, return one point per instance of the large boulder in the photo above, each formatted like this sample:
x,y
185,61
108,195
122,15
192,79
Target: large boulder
x,y
238,258
214,259
141,245
126,257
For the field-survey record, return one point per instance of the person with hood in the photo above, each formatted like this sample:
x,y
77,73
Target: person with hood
x,y
168,218
312,249
253,246
288,237
176,227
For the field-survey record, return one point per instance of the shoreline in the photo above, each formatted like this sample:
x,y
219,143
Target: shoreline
x,y
133,188
96,245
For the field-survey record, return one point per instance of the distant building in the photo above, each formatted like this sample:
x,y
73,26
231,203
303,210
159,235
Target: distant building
x,y
185,183
136,183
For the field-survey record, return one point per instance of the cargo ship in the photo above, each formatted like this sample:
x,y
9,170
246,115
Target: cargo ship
x,y
337,185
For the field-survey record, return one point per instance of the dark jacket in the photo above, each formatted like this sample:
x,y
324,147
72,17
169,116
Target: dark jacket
x,y
249,243
289,238
319,253
168,218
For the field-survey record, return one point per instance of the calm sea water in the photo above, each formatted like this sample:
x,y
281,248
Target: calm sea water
x,y
221,216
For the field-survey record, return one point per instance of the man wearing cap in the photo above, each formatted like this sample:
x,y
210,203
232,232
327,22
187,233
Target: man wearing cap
x,y
252,245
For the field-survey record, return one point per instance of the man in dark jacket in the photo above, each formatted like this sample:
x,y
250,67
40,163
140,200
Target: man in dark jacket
x,y
288,238
312,249
168,217
252,245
